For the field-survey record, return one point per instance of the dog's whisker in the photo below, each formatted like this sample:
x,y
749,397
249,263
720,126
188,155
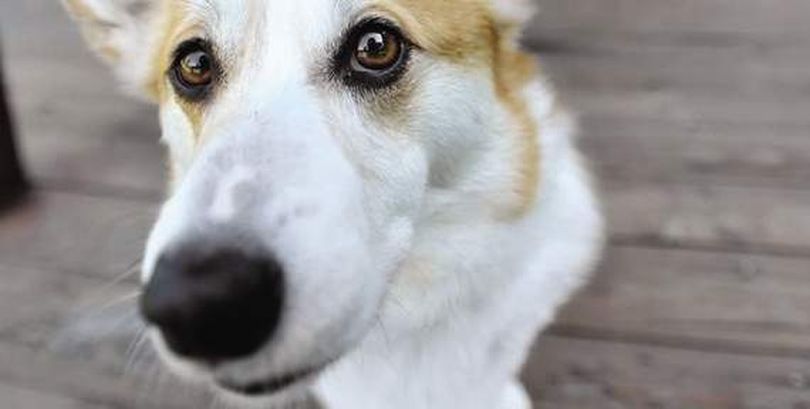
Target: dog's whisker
x,y
98,301
138,347
129,352
117,301
135,341
129,272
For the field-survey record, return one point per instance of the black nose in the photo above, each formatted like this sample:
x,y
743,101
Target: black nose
x,y
225,305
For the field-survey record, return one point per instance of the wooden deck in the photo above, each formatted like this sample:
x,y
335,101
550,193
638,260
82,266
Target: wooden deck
x,y
696,114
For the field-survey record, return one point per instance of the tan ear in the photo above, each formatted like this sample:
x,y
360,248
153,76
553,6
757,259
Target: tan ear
x,y
120,32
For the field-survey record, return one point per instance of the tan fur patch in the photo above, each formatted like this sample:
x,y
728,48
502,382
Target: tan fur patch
x,y
461,30
468,32
176,27
513,71
169,27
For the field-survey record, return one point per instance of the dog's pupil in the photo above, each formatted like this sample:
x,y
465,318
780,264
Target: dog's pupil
x,y
197,63
374,44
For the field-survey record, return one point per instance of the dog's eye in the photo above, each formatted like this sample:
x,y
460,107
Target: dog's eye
x,y
194,70
377,50
374,54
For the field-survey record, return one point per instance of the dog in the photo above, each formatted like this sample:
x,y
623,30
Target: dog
x,y
373,203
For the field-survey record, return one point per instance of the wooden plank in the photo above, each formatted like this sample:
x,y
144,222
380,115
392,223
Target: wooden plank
x,y
39,28
691,108
74,314
732,71
55,293
752,17
79,132
625,40
122,168
39,372
88,135
650,151
80,345
729,218
76,233
732,301
567,373
98,325
22,398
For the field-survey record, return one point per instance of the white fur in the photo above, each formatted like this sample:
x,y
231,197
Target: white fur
x,y
515,11
461,342
399,270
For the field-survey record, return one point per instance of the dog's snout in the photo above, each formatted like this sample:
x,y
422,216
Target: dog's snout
x,y
224,305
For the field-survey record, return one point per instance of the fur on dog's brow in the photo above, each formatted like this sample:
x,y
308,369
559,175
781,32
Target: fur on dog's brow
x,y
484,42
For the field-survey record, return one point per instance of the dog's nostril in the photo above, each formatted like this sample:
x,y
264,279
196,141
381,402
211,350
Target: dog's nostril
x,y
222,306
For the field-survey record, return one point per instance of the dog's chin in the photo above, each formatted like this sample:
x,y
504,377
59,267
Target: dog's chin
x,y
282,391
284,387
290,385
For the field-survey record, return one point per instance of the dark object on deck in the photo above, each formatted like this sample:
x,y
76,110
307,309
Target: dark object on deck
x,y
12,181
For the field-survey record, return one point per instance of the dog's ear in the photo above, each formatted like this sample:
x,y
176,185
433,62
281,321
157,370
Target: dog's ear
x,y
515,13
121,33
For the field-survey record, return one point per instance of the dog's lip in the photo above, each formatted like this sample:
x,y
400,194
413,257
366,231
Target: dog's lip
x,y
271,385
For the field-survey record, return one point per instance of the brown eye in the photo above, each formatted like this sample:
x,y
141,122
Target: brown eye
x,y
374,54
378,50
194,70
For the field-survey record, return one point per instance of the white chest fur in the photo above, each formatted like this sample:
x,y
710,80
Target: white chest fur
x,y
461,342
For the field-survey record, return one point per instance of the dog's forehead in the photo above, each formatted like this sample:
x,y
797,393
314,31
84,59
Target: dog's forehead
x,y
235,22
448,27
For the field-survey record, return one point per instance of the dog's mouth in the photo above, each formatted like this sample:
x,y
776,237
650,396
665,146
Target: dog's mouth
x,y
270,386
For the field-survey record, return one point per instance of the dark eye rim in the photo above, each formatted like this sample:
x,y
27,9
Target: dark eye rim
x,y
183,88
355,75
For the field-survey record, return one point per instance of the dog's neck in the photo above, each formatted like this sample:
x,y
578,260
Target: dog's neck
x,y
471,286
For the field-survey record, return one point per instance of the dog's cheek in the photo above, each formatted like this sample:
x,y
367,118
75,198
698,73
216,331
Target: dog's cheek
x,y
179,137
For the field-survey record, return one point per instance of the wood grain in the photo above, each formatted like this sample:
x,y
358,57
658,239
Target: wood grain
x,y
28,370
719,217
571,373
76,234
777,18
672,152
719,301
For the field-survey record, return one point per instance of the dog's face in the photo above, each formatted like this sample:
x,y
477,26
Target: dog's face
x,y
310,141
